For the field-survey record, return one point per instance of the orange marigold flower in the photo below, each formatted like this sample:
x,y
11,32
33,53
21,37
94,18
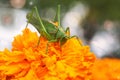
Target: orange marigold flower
x,y
106,69
28,60
27,40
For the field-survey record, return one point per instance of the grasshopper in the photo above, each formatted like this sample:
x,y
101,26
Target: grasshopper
x,y
48,29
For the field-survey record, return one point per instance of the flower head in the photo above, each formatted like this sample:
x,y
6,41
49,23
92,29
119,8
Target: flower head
x,y
106,69
29,61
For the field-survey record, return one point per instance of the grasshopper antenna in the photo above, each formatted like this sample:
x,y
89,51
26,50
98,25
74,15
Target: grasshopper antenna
x,y
57,17
37,14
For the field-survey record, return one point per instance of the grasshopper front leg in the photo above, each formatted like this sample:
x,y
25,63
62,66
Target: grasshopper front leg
x,y
38,41
26,25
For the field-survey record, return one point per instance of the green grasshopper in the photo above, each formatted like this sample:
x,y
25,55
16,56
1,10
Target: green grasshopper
x,y
48,29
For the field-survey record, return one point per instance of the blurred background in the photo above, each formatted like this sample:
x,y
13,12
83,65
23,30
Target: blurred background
x,y
96,22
